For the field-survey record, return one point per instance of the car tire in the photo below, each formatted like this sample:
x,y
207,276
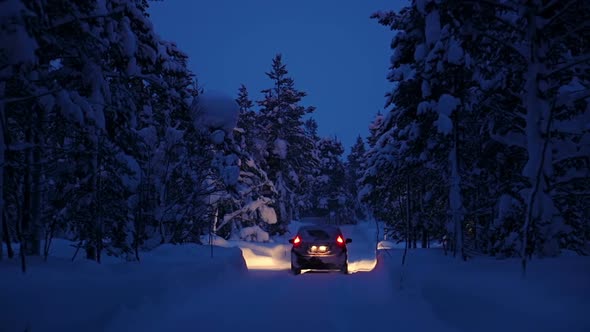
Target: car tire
x,y
294,270
344,268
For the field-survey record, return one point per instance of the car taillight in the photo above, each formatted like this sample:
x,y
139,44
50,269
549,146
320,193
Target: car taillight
x,y
340,240
296,241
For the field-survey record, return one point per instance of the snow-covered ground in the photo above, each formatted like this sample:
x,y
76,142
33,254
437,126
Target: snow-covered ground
x,y
60,295
486,294
182,288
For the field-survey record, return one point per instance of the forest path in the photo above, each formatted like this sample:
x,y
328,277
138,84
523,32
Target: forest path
x,y
276,300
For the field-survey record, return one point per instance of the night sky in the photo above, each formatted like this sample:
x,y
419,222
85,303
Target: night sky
x,y
332,49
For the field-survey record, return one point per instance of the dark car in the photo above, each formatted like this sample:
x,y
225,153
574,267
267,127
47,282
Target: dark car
x,y
319,248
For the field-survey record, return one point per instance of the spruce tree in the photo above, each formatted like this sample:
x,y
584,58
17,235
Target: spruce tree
x,y
290,150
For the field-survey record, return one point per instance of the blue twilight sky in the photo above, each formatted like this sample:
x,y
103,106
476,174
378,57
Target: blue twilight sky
x,y
333,51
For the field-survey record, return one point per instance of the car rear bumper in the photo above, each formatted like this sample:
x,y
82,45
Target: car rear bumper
x,y
318,262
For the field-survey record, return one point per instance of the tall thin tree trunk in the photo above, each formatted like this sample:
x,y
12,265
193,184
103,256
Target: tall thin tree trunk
x,y
91,241
36,187
408,217
99,220
25,222
138,222
6,237
538,113
2,149
23,244
48,239
455,196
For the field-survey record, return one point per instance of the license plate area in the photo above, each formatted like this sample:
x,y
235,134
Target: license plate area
x,y
320,249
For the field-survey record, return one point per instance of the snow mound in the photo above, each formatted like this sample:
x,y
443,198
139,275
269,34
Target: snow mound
x,y
61,295
215,110
254,233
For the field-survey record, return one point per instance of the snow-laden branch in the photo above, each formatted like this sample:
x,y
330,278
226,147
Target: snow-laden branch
x,y
556,15
521,52
498,4
250,207
85,18
585,58
572,97
510,139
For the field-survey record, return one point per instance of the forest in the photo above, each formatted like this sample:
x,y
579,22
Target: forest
x,y
108,139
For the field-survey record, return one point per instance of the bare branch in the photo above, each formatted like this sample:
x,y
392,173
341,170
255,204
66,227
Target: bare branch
x,y
567,65
86,18
558,14
23,99
560,39
523,54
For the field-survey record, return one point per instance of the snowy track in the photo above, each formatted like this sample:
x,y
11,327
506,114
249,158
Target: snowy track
x,y
267,300
181,288
273,301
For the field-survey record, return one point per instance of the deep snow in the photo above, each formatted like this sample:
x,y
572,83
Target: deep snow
x,y
182,288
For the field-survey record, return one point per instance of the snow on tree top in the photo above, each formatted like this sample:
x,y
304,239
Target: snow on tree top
x,y
22,45
216,111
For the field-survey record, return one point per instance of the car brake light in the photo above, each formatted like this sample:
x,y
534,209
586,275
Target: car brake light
x,y
296,241
340,240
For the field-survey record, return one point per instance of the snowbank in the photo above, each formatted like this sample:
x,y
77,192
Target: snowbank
x,y
486,294
254,233
61,295
258,255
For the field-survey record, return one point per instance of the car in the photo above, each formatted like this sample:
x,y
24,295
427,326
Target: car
x,y
321,247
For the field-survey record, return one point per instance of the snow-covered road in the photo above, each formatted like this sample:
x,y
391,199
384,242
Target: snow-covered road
x,y
181,288
267,300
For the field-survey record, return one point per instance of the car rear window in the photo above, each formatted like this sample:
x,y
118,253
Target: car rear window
x,y
317,234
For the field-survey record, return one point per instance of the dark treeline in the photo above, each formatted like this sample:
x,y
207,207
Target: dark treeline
x,y
105,140
486,137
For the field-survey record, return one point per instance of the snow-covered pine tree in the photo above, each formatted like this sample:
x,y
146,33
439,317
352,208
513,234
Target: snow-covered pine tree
x,y
45,85
243,200
96,67
445,67
432,72
548,89
171,156
290,150
399,144
252,132
353,173
331,197
468,54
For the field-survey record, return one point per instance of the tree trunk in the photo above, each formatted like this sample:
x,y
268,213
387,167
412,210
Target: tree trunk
x,y
538,119
408,217
424,238
25,222
23,243
92,228
90,251
456,203
99,221
138,222
48,239
3,229
36,187
6,236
